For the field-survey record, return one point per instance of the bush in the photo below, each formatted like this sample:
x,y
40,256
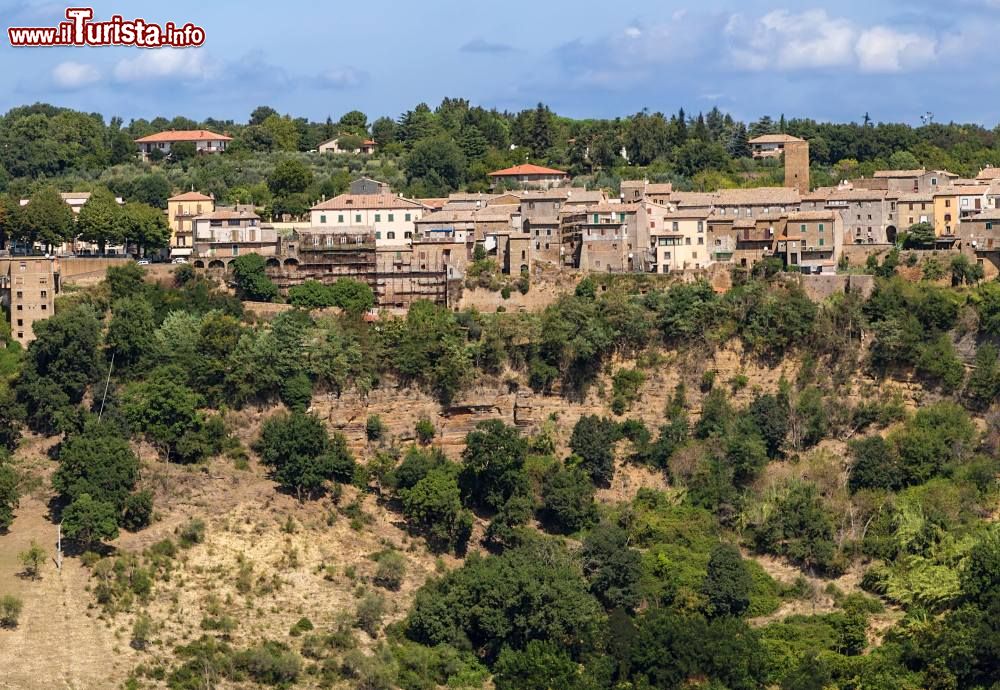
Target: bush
x,y
138,511
142,630
568,500
425,430
593,440
192,533
302,625
32,559
10,610
374,428
369,613
391,570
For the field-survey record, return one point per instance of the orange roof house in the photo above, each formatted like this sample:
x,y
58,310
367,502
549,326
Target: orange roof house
x,y
203,140
528,175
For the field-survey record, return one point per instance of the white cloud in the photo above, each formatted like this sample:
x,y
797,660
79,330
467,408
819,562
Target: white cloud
x,y
783,40
345,77
75,75
881,49
182,64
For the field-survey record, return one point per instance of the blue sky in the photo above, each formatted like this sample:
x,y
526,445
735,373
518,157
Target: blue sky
x,y
587,58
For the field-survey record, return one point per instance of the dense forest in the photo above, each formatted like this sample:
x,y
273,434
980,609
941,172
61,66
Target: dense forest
x,y
430,152
553,587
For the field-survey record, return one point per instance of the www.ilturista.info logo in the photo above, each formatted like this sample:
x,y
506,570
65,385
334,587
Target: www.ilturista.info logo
x,y
80,30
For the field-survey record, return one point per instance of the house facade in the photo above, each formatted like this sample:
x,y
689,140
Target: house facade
x,y
528,176
204,141
771,145
28,287
229,232
390,217
182,209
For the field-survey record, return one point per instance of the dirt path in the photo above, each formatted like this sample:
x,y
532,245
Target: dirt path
x,y
59,642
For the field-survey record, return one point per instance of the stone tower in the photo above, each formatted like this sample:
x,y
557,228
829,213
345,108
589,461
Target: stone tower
x,y
797,165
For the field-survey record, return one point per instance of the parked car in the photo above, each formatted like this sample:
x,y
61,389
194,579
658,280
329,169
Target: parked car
x,y
179,260
143,262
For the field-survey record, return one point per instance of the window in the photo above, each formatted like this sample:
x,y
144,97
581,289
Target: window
x,y
407,235
20,307
947,203
821,227
701,226
357,217
548,232
674,226
821,241
45,294
989,225
701,240
392,217
340,218
20,334
687,240
390,235
20,323
621,217
378,217
45,307
378,235
802,227
406,217
236,250
20,295
322,219
597,217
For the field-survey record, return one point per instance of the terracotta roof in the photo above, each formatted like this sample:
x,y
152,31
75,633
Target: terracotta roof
x,y
436,203
694,198
988,174
744,223
857,195
894,174
183,135
799,216
659,188
347,202
191,196
583,196
691,214
960,190
774,139
448,216
544,194
527,169
759,195
988,214
913,197
228,214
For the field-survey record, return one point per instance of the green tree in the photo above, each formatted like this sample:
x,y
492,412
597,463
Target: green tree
x,y
145,225
920,235
99,221
46,219
98,463
541,664
9,494
593,440
32,559
251,279
289,176
302,455
493,465
281,131
435,166
727,584
568,500
88,521
433,507
612,567
130,334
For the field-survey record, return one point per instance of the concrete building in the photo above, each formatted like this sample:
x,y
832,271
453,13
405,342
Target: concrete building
x,y
182,209
366,185
771,145
204,141
528,176
229,232
366,146
679,239
28,287
391,217
812,241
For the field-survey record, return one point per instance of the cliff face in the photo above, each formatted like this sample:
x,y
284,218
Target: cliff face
x,y
401,407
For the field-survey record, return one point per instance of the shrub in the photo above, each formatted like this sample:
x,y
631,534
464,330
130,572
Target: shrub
x,y
142,630
138,511
593,440
391,570
32,559
302,625
425,430
368,615
10,610
374,428
192,533
568,500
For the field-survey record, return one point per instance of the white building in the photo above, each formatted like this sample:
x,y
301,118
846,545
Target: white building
x,y
204,141
391,217
679,239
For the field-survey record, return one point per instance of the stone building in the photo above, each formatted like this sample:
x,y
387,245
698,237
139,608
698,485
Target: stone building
x,y
28,286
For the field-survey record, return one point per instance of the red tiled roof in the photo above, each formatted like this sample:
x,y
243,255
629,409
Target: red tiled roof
x,y
526,169
190,196
183,135
366,201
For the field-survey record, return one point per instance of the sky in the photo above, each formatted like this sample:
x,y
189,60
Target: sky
x,y
896,60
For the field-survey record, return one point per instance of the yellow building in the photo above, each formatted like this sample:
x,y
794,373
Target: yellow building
x,y
955,203
181,211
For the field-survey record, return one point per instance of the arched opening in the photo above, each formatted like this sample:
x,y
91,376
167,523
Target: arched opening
x,y
216,264
230,264
199,264
890,234
291,263
273,263
524,269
